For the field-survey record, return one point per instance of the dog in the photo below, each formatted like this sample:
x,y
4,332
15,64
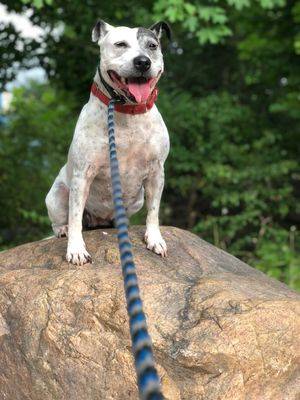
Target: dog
x,y
131,63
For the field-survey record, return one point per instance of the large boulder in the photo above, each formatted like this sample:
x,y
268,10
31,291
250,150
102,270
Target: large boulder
x,y
220,329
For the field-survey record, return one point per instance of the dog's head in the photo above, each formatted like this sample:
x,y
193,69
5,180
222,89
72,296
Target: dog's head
x,y
131,59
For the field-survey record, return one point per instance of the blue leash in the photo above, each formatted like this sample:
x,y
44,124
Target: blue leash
x,y
147,377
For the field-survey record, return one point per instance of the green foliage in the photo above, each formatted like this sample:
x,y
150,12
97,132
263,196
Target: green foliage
x,y
277,256
207,20
230,98
235,177
34,144
38,3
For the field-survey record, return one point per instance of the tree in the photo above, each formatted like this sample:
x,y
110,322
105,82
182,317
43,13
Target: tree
x,y
230,99
34,144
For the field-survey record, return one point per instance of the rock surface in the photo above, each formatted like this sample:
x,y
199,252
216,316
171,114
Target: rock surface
x,y
221,330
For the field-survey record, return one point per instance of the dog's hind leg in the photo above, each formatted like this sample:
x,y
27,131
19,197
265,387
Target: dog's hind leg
x,y
90,221
57,202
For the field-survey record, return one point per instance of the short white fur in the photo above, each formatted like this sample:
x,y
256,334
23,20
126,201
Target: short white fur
x,y
84,182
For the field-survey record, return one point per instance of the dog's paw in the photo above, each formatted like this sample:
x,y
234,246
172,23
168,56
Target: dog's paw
x,y
77,254
155,241
60,231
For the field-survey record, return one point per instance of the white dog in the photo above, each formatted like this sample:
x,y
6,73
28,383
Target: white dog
x,y
131,64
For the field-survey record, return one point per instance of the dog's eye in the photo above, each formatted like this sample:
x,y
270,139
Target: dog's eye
x,y
152,46
121,44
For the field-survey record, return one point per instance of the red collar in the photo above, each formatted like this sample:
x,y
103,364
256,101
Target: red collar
x,y
126,108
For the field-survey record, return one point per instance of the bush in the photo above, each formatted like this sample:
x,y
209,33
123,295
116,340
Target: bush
x,y
34,144
229,178
232,181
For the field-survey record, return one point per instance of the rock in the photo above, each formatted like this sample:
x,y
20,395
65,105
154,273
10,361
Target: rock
x,y
221,329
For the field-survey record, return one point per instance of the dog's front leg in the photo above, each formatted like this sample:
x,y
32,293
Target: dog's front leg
x,y
153,187
76,252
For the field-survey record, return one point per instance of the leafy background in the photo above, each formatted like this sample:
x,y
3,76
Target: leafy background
x,y
230,98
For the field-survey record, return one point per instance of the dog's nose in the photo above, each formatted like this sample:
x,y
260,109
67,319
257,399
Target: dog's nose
x,y
142,63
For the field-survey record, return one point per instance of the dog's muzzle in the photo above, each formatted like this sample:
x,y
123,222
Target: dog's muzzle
x,y
142,63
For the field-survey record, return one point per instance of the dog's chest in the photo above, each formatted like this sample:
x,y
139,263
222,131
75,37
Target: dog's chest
x,y
138,144
142,143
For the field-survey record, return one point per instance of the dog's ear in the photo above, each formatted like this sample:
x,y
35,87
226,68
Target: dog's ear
x,y
100,30
159,27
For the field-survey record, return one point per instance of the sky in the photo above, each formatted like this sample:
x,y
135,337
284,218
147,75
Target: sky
x,y
21,22
27,29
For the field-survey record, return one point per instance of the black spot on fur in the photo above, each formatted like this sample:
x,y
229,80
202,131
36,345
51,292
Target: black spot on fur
x,y
99,30
159,27
144,32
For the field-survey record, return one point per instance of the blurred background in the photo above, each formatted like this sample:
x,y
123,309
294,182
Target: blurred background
x,y
230,98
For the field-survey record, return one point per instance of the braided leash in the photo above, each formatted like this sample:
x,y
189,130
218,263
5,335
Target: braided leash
x,y
148,380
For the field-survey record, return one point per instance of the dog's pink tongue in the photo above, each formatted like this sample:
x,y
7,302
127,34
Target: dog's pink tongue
x,y
140,91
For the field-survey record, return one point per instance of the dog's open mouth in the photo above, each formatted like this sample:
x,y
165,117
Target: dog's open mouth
x,y
137,89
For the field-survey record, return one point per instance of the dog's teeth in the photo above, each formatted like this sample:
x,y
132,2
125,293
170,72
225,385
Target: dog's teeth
x,y
123,80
